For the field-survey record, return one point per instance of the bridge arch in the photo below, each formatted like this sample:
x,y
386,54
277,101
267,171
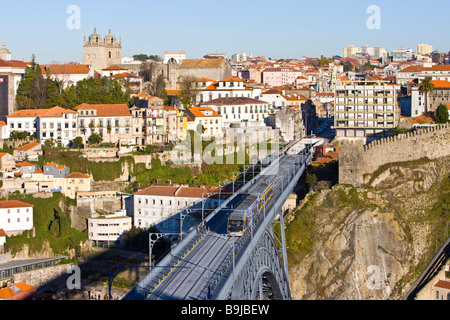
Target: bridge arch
x,y
264,263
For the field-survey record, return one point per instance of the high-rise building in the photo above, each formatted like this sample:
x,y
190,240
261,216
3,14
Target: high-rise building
x,y
364,108
424,49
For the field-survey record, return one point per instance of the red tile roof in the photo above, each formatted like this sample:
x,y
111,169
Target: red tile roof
x,y
200,112
56,112
25,164
443,284
106,109
174,191
2,233
29,146
77,175
114,68
66,68
14,204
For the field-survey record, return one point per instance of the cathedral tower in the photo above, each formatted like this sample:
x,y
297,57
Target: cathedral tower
x,y
102,52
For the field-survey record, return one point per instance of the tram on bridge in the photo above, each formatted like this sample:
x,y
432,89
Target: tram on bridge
x,y
249,210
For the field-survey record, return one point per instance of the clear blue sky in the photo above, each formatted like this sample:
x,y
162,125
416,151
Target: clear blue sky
x,y
271,28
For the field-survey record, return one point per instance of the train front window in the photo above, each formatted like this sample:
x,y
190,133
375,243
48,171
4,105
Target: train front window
x,y
235,225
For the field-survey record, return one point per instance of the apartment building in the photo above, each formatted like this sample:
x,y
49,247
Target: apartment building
x,y
109,228
113,122
364,108
239,109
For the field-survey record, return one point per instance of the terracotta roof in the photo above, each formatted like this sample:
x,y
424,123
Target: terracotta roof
x,y
2,233
172,92
441,83
232,79
61,167
13,63
171,191
25,164
412,69
27,113
29,146
2,123
66,68
106,109
448,106
8,292
56,112
233,101
114,68
14,204
443,284
51,164
200,112
2,154
201,63
77,175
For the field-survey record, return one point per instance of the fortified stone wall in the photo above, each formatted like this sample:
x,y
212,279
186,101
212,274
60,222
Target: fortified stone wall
x,y
357,161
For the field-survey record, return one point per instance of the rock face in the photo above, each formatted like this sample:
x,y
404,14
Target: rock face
x,y
367,241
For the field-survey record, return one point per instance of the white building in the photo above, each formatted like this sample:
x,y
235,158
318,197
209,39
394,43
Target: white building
x,y
402,54
177,56
205,120
67,74
239,109
109,228
16,216
156,205
225,88
55,123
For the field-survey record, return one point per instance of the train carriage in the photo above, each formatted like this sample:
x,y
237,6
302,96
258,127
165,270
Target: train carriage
x,y
248,211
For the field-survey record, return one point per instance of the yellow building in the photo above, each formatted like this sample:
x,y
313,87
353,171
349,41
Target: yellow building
x,y
75,182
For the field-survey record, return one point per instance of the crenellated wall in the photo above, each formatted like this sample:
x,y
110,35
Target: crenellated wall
x,y
356,159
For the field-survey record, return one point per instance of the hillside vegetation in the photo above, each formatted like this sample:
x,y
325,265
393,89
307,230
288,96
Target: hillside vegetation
x,y
370,242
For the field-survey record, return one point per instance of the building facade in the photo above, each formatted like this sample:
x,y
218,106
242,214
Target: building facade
x,y
101,52
16,216
366,108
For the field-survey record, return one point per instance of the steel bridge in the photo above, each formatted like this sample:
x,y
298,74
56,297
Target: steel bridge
x,y
209,264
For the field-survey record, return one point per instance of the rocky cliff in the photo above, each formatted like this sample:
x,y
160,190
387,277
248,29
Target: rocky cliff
x,y
369,243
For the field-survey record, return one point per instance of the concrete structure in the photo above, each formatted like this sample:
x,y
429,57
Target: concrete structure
x,y
100,52
289,122
15,216
440,95
280,76
109,228
366,108
401,55
441,290
424,49
177,56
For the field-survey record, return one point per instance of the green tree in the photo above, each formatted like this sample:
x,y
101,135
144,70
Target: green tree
x,y
441,115
95,138
426,87
188,90
311,180
78,141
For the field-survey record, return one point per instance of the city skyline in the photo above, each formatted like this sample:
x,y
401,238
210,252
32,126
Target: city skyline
x,y
289,29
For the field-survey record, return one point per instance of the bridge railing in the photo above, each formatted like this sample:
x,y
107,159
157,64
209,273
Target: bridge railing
x,y
262,218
